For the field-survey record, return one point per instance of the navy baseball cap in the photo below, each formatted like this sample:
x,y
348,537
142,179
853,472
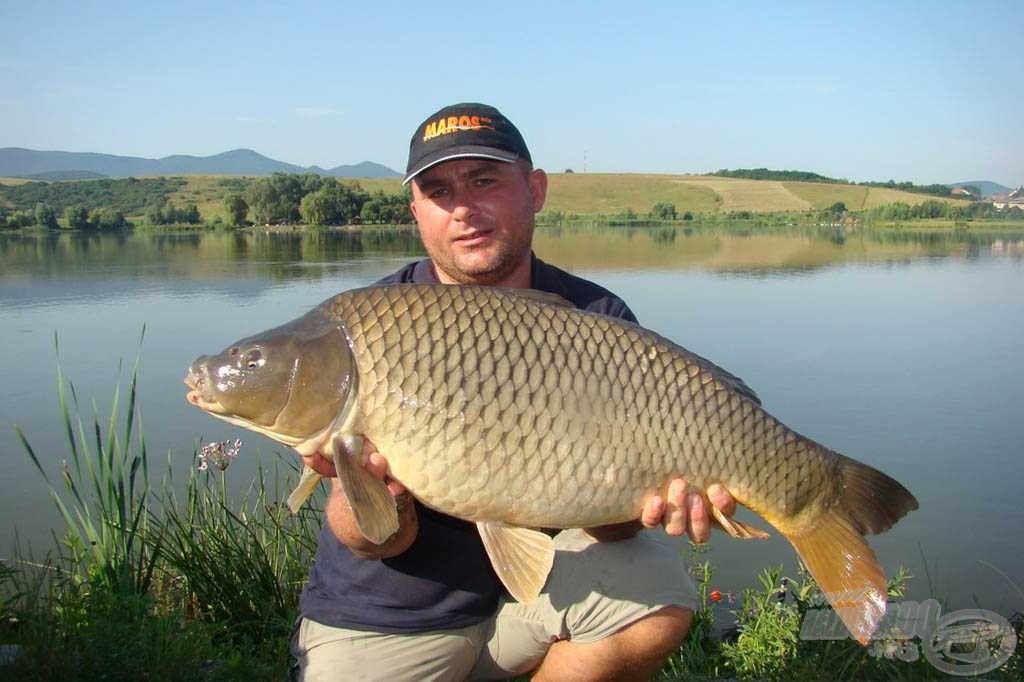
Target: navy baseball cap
x,y
461,131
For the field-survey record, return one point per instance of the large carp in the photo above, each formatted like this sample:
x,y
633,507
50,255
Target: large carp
x,y
514,410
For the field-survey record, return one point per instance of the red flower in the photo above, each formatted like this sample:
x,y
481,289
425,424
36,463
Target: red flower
x,y
715,595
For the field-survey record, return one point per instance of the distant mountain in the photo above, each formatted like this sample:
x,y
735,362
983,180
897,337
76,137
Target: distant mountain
x,y
987,187
17,162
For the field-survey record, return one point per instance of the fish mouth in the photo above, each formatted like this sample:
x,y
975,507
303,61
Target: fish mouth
x,y
195,396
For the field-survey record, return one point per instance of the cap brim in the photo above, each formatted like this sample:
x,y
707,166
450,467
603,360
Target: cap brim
x,y
465,152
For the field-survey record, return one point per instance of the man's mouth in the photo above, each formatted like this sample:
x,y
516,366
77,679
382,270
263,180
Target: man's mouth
x,y
474,238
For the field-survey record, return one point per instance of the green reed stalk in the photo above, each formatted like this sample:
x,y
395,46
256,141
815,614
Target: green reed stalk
x,y
105,500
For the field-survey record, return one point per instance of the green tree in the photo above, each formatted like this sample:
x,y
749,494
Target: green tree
x,y
107,219
190,215
77,217
334,203
236,209
276,198
663,211
46,216
155,215
392,209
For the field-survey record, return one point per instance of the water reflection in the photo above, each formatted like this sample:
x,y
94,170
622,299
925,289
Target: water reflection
x,y
285,255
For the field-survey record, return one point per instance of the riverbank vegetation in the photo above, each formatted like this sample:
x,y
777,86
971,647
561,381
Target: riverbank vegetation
x,y
768,197
155,578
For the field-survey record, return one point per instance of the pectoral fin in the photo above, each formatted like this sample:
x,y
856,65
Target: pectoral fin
x,y
373,507
735,528
305,488
521,557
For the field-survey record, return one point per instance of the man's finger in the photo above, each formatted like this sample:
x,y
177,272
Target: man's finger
x,y
377,465
722,499
675,511
320,464
654,510
700,524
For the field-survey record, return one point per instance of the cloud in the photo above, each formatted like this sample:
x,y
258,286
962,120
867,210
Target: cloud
x,y
318,112
250,119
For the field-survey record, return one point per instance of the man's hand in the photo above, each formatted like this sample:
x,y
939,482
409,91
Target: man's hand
x,y
339,514
680,511
371,460
683,511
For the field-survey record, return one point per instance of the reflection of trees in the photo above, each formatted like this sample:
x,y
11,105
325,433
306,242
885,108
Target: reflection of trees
x,y
199,254
289,254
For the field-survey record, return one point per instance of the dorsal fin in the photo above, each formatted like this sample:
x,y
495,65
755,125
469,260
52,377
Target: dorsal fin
x,y
539,296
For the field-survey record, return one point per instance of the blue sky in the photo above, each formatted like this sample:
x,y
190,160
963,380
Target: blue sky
x,y
930,92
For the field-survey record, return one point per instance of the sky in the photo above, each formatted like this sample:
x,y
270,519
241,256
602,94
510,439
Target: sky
x,y
927,92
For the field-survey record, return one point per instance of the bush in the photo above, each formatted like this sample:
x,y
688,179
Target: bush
x,y
46,216
77,217
663,211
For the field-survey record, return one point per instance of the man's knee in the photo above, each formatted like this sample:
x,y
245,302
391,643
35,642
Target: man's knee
x,y
660,633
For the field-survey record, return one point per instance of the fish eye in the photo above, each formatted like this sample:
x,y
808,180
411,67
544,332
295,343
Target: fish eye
x,y
253,359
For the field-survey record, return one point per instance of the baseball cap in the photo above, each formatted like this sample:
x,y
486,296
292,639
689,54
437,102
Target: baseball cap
x,y
460,131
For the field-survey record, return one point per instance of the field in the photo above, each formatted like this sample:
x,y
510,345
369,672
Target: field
x,y
600,193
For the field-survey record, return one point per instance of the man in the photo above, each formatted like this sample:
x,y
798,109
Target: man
x,y
426,604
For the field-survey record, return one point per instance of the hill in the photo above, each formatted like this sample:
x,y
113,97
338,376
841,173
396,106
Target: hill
x,y
600,193
17,162
987,187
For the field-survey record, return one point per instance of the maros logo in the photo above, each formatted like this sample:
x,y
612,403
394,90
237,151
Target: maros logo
x,y
453,124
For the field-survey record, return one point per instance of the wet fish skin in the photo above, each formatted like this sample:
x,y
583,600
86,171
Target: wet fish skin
x,y
512,408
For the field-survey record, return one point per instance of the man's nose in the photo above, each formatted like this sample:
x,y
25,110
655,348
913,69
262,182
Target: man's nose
x,y
463,207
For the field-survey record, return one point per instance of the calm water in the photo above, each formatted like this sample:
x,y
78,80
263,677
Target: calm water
x,y
904,353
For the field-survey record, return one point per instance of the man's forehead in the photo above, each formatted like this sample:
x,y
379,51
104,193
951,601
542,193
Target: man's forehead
x,y
458,168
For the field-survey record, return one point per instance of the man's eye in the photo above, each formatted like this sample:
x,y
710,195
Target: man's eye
x,y
438,193
483,182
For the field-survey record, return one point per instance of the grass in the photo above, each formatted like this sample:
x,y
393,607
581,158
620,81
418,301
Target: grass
x,y
759,196
820,195
149,582
605,194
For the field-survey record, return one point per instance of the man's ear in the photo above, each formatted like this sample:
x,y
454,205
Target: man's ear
x,y
538,181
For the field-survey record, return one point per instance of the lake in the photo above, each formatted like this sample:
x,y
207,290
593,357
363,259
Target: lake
x,y
900,349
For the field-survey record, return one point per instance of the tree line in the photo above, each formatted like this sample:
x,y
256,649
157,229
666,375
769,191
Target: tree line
x,y
130,196
314,200
941,209
75,218
807,176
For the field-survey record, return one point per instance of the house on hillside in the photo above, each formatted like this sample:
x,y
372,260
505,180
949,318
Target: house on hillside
x,y
1008,199
961,192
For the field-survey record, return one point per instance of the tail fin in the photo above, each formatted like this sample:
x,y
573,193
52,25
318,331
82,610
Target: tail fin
x,y
835,552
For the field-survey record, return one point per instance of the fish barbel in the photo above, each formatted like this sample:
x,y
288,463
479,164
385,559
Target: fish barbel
x,y
514,410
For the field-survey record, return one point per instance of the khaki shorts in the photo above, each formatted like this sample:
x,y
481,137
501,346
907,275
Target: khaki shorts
x,y
594,590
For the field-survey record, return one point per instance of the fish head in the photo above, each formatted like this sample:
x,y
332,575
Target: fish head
x,y
291,383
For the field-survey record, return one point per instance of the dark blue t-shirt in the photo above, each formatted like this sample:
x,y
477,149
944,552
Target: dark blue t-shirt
x,y
444,580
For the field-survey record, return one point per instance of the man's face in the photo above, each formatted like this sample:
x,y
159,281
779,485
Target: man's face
x,y
476,217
